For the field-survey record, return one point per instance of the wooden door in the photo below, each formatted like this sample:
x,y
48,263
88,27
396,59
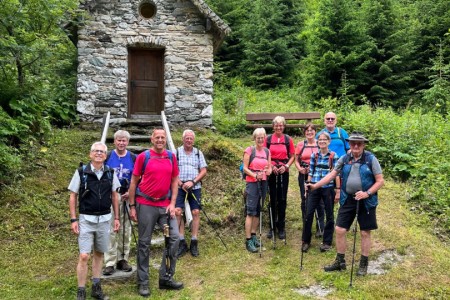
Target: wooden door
x,y
146,82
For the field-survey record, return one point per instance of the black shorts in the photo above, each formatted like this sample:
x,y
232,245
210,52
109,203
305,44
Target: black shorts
x,y
367,219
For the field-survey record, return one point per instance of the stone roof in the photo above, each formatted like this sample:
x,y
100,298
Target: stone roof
x,y
221,29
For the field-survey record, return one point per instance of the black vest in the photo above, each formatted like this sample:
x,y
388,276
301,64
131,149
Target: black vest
x,y
95,196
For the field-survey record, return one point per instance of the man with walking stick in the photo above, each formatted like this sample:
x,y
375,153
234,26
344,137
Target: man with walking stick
x,y
151,199
192,165
122,162
361,178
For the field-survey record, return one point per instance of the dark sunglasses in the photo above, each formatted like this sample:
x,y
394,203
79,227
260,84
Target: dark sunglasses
x,y
330,119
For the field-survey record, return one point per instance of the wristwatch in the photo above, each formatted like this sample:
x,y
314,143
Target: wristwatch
x,y
73,220
368,193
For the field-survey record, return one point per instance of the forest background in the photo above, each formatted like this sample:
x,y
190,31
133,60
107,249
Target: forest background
x,y
382,65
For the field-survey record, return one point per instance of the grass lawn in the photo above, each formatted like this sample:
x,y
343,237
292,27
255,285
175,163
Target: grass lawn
x,y
39,252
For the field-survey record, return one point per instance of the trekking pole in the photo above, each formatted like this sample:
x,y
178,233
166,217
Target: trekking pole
x,y
209,220
317,219
124,204
354,242
260,216
282,196
304,224
131,224
166,231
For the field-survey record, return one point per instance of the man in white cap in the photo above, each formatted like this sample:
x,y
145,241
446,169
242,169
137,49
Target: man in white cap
x,y
361,178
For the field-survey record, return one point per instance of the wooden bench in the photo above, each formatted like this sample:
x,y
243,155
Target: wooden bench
x,y
265,119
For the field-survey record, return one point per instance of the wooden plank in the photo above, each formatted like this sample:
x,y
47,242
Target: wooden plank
x,y
287,116
270,125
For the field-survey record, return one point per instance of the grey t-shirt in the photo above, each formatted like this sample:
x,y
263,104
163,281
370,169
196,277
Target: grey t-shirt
x,y
354,184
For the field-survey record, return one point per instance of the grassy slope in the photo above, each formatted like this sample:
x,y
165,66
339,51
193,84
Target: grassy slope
x,y
39,253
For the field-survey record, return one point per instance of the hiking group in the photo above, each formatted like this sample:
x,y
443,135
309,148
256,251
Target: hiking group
x,y
332,167
152,189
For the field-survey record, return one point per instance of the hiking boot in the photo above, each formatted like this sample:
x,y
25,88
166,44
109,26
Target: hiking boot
x,y
305,247
124,266
182,248
282,234
144,291
108,271
81,294
194,248
337,265
97,292
325,247
270,234
363,264
256,242
250,246
170,284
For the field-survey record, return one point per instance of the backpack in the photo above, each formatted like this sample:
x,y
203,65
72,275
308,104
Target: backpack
x,y
197,154
367,159
147,158
252,157
83,177
287,140
340,137
330,161
133,156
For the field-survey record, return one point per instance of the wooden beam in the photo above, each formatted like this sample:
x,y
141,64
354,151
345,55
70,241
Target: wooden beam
x,y
287,116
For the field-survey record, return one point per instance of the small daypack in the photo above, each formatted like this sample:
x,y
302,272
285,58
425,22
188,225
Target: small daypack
x,y
252,157
330,161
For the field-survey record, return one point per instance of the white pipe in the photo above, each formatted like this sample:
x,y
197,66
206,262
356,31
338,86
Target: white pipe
x,y
105,128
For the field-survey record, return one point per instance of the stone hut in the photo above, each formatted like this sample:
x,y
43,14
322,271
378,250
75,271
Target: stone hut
x,y
140,57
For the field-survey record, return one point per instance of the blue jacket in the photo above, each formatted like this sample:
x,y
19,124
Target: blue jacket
x,y
367,178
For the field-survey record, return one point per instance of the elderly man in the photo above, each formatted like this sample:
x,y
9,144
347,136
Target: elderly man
x,y
122,161
192,166
338,135
94,186
361,178
155,197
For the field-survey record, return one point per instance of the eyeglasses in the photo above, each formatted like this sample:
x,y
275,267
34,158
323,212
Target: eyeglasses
x,y
310,130
322,140
99,151
330,119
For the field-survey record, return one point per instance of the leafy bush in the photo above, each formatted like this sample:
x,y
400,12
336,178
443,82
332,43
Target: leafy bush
x,y
232,101
411,145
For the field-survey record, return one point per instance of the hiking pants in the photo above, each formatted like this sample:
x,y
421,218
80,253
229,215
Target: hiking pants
x,y
313,201
119,243
278,187
148,217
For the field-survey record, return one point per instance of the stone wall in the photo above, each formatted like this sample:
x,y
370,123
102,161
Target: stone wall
x,y
113,27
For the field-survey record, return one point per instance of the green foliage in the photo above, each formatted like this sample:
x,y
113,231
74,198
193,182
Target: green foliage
x,y
437,97
414,146
233,101
38,74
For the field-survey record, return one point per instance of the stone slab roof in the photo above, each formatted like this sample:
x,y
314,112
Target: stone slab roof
x,y
221,28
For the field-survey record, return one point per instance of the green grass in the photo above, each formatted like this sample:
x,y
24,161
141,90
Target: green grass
x,y
39,252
